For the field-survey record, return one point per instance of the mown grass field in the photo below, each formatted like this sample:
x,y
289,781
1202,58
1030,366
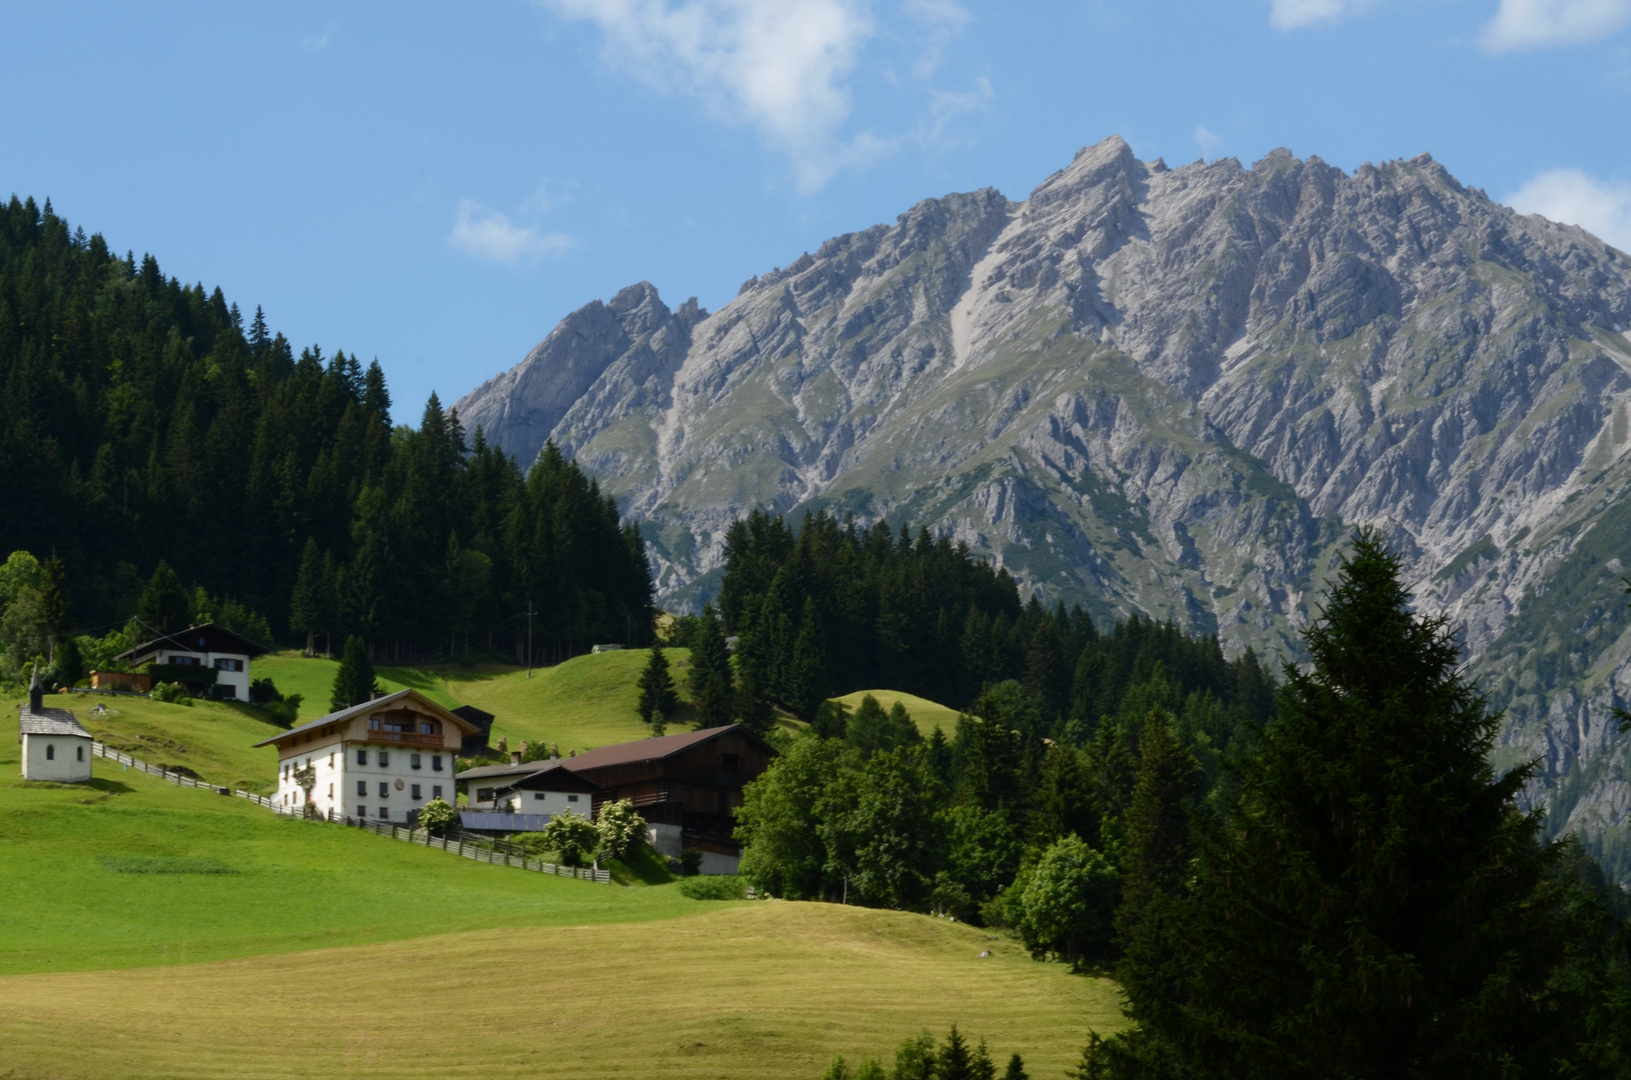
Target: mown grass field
x,y
297,885
746,990
926,714
332,951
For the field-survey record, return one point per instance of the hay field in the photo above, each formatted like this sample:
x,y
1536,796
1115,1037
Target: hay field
x,y
745,990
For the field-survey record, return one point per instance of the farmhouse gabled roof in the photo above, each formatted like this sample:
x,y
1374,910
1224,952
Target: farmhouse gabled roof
x,y
656,749
210,637
49,722
508,768
370,706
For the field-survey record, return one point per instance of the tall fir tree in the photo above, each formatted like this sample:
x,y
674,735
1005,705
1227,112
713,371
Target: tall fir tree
x,y
657,698
165,605
1376,905
710,676
304,605
354,682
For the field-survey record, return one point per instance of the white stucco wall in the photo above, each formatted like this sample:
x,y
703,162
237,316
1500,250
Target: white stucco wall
x,y
339,772
237,680
71,763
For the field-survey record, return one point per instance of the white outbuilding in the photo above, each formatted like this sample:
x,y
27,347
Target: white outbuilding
x,y
55,747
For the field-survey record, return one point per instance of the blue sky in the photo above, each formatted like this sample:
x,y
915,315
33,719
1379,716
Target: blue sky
x,y
436,184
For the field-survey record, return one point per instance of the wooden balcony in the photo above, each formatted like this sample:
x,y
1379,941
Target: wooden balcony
x,y
406,738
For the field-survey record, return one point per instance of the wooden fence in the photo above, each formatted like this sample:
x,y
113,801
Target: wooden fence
x,y
496,852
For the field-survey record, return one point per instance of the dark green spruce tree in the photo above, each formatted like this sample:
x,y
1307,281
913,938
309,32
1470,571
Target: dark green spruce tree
x,y
354,682
304,606
657,697
165,606
1376,905
711,671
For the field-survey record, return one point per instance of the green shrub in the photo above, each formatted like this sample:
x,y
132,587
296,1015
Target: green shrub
x,y
438,817
573,835
690,861
717,887
171,692
622,831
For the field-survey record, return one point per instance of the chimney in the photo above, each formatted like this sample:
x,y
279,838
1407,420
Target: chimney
x,y
515,757
36,691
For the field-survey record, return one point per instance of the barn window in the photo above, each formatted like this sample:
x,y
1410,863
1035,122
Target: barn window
x,y
731,763
50,752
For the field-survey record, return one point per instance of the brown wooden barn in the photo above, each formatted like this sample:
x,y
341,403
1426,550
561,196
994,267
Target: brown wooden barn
x,y
686,786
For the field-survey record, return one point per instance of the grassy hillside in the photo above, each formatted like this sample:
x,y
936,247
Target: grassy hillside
x,y
585,702
766,990
214,739
313,679
926,714
294,885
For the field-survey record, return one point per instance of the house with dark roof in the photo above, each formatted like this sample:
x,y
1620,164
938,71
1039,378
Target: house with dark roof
x,y
209,660
686,786
55,747
383,759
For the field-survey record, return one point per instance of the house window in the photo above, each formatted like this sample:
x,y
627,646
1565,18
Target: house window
x,y
50,752
539,796
416,792
385,812
229,665
413,760
80,752
571,798
384,759
362,787
436,762
373,723
184,661
362,757
427,728
362,811
331,791
384,790
436,792
484,794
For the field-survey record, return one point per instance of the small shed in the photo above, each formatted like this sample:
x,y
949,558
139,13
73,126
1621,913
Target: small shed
x,y
55,747
476,743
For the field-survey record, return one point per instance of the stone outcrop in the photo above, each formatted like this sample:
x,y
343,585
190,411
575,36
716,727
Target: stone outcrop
x,y
1172,391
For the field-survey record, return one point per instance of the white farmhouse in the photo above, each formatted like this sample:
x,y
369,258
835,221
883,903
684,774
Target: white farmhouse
x,y
529,787
55,747
382,760
186,655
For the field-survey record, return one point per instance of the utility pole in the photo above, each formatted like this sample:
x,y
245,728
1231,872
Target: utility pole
x,y
529,613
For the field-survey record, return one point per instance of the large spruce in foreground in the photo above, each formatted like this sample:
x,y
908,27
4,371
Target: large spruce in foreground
x,y
1376,905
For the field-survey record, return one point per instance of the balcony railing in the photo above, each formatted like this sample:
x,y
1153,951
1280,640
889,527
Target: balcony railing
x,y
411,738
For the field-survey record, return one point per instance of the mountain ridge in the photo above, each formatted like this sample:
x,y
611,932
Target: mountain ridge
x,y
1173,391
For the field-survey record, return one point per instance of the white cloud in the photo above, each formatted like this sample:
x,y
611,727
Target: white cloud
x,y
780,65
938,22
318,42
1208,142
1601,207
1540,24
490,235
1291,14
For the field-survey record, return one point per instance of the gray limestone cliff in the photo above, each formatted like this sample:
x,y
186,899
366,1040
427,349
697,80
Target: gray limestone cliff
x,y
1173,391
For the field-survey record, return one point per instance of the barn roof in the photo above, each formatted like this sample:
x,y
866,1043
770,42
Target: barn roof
x,y
49,722
656,749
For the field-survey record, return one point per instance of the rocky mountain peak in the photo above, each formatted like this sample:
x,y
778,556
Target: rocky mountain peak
x,y
1171,391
